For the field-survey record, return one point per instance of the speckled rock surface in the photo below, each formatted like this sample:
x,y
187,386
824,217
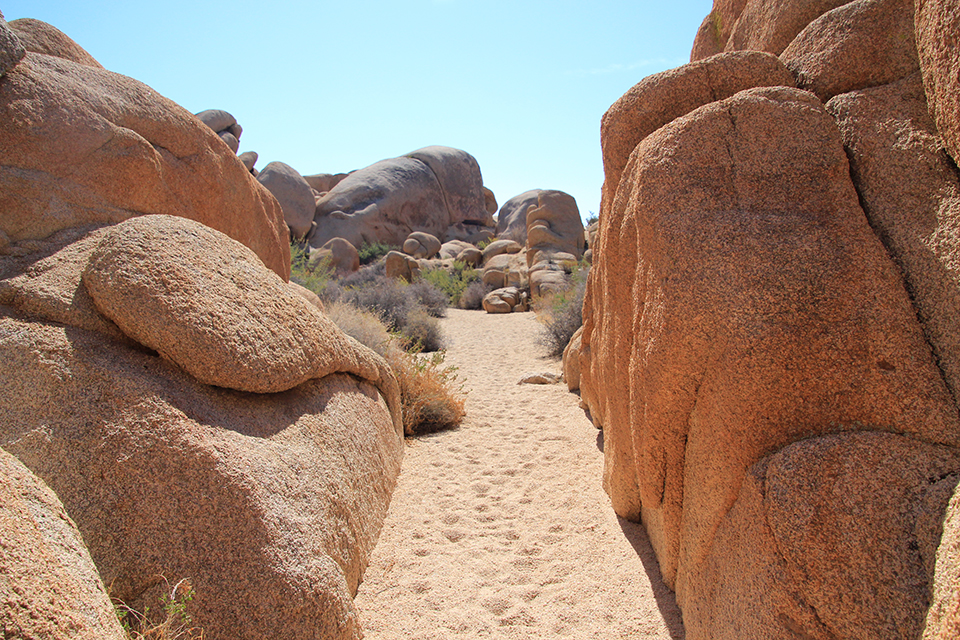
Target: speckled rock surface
x,y
740,296
665,96
207,303
910,191
861,44
49,586
39,37
943,616
937,26
554,227
831,537
771,25
11,48
142,154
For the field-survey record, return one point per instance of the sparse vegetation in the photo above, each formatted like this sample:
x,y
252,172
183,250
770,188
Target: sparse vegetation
x,y
454,283
562,313
371,252
175,622
472,297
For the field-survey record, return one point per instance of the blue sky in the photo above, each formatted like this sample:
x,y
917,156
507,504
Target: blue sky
x,y
333,86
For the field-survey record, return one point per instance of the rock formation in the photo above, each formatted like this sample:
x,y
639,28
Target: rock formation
x,y
428,190
49,587
340,256
225,126
770,323
195,414
39,37
294,195
159,159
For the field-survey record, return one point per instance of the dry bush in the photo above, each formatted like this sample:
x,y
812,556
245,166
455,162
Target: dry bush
x,y
432,299
561,314
472,297
175,622
432,397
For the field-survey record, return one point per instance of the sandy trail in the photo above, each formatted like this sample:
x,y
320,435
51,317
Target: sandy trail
x,y
501,529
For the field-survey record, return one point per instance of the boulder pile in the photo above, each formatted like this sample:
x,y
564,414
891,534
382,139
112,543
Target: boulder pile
x,y
775,282
176,408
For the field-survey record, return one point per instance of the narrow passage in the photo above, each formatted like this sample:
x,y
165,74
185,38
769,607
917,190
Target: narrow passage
x,y
501,528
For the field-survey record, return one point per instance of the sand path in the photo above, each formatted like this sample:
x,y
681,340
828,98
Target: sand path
x,y
501,529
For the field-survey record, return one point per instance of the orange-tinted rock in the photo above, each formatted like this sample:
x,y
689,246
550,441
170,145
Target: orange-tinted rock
x,y
141,154
831,537
716,28
39,37
943,616
910,192
739,302
937,25
49,586
665,96
206,302
571,361
861,44
771,25
11,49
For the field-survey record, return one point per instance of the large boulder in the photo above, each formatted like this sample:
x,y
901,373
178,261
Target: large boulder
x,y
323,182
836,536
225,126
294,195
49,586
554,227
740,295
937,26
861,44
11,48
571,361
269,502
151,276
663,97
427,190
39,37
512,219
421,245
910,191
141,153
502,300
339,255
771,25
715,29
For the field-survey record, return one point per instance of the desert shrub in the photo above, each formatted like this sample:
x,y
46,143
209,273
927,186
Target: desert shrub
x,y
472,297
373,251
368,274
172,623
452,283
561,314
428,296
422,331
314,277
431,395
386,297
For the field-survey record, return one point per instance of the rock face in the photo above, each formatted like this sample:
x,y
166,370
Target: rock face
x,y
771,25
910,192
141,154
554,226
716,28
831,549
11,49
270,502
49,587
294,195
741,297
943,617
571,361
428,190
512,219
861,44
340,255
39,37
937,25
663,97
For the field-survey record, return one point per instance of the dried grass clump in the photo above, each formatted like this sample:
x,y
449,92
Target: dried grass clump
x,y
174,623
472,297
561,314
432,397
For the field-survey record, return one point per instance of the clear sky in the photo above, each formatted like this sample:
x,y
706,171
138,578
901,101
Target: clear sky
x,y
328,87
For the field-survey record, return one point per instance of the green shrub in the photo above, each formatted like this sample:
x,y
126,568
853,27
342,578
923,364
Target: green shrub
x,y
174,621
315,277
562,313
371,252
452,283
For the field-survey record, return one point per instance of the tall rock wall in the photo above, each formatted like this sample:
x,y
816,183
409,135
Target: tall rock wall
x,y
770,321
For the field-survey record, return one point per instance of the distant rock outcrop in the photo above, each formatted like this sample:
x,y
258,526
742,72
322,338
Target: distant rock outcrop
x,y
225,126
429,190
294,195
50,587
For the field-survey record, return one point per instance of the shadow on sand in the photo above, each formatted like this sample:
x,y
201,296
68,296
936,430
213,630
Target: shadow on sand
x,y
666,600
